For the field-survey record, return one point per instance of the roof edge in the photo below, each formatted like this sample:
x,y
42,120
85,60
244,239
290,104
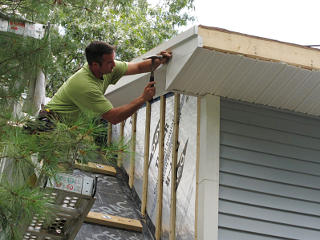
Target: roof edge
x,y
171,43
261,48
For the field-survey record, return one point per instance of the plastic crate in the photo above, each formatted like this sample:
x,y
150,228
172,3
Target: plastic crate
x,y
71,198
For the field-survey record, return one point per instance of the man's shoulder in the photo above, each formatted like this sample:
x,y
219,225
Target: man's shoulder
x,y
81,75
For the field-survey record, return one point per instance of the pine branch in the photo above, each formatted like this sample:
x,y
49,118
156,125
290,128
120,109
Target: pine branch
x,y
10,69
18,4
24,54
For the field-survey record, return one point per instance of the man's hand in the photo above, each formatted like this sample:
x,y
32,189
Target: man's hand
x,y
149,91
118,114
146,65
166,56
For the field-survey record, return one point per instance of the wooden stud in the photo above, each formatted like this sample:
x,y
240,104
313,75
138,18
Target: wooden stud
x,y
175,148
160,168
133,149
120,155
114,221
109,133
146,160
197,169
97,168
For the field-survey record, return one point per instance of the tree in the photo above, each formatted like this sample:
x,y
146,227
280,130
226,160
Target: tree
x,y
132,25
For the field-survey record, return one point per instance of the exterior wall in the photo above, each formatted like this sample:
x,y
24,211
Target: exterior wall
x,y
186,169
139,151
269,174
127,134
186,164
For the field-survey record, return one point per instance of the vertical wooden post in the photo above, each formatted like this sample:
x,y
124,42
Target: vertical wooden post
x,y
109,133
160,167
133,149
120,155
175,148
146,160
197,169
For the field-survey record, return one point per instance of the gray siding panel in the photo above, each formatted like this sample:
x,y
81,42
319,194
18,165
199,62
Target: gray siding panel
x,y
268,118
271,135
270,147
237,235
269,174
280,189
270,201
266,228
270,215
268,160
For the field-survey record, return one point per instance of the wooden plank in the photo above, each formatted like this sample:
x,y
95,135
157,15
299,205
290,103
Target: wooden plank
x,y
120,154
114,221
260,48
146,160
109,133
133,149
197,169
160,168
97,168
175,148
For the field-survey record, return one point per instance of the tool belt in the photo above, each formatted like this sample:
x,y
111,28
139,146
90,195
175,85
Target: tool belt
x,y
46,121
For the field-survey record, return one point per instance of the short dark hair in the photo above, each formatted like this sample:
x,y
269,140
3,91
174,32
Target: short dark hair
x,y
96,49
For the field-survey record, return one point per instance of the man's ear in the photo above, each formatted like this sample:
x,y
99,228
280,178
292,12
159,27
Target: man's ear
x,y
94,65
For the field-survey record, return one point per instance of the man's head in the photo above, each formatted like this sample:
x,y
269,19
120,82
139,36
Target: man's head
x,y
100,57
96,49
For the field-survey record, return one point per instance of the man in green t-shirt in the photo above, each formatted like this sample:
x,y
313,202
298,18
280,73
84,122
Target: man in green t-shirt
x,y
84,91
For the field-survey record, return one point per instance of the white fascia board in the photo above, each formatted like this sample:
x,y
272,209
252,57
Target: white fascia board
x,y
180,46
130,90
181,55
171,44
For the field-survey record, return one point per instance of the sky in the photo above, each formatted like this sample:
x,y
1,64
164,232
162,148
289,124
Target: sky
x,y
293,21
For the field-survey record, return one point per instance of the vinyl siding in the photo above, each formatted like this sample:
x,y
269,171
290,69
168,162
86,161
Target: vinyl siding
x,y
269,174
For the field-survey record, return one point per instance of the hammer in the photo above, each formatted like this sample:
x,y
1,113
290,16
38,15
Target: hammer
x,y
153,58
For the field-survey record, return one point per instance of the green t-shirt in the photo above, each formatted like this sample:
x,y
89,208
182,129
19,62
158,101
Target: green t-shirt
x,y
84,92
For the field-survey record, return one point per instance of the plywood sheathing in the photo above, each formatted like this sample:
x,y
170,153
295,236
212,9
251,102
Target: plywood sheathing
x,y
260,48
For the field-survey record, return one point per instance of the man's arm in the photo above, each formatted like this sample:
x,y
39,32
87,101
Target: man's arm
x,y
116,115
146,65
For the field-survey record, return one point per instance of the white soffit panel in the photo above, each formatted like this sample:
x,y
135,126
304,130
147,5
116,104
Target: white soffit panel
x,y
243,78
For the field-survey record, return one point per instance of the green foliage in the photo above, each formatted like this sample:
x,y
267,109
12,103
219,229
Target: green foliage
x,y
132,25
32,158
